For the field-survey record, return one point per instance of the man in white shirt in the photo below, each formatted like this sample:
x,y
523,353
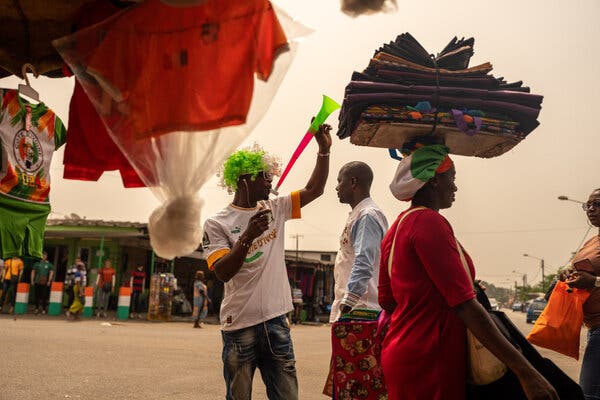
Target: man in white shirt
x,y
244,244
356,270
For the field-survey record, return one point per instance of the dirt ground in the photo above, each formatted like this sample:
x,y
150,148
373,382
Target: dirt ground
x,y
50,358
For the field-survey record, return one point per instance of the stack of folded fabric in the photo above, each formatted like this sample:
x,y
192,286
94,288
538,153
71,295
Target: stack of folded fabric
x,y
406,95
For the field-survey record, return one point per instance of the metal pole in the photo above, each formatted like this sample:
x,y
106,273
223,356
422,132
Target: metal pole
x,y
101,252
543,277
297,236
152,264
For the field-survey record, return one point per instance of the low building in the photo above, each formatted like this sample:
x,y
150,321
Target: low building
x,y
127,245
312,272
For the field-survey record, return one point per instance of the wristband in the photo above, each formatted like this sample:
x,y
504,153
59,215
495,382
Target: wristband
x,y
597,282
323,154
244,244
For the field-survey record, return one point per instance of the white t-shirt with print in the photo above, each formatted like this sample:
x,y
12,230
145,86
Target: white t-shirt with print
x,y
260,290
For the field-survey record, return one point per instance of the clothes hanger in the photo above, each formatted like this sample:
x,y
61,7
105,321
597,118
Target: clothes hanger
x,y
27,90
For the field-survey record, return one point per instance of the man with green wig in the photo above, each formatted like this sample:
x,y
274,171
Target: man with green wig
x,y
244,245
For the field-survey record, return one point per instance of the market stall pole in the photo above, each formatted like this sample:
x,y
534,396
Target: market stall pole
x,y
22,298
88,307
124,302
56,296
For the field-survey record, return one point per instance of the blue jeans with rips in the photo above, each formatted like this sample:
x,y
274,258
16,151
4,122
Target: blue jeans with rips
x,y
589,379
268,346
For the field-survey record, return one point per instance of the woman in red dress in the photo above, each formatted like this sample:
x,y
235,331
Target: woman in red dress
x,y
430,296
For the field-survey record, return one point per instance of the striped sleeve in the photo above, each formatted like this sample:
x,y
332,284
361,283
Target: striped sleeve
x,y
296,209
215,242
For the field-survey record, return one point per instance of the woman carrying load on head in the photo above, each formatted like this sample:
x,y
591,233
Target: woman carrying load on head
x,y
76,307
430,296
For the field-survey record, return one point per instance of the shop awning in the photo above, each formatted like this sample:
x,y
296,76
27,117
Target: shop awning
x,y
84,228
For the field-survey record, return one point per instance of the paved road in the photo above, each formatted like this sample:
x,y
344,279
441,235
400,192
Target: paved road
x,y
50,358
567,364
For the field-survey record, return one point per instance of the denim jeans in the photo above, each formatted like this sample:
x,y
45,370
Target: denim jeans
x,y
268,346
9,291
589,379
103,298
135,302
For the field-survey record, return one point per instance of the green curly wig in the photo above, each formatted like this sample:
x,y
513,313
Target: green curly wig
x,y
247,162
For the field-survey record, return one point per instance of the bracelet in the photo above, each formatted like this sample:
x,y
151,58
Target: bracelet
x,y
244,244
323,154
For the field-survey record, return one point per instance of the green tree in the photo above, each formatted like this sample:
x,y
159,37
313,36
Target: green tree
x,y
499,293
547,282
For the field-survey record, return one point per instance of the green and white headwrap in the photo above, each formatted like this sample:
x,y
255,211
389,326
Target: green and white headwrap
x,y
415,170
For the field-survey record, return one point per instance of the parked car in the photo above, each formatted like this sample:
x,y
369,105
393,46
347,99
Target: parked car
x,y
494,304
535,309
517,306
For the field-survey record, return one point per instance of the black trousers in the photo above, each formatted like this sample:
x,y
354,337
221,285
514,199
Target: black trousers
x,y
41,296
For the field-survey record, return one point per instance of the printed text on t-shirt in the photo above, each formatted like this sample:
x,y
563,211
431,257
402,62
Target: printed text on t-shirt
x,y
262,241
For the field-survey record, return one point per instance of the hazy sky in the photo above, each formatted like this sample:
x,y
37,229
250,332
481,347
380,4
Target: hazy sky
x,y
505,206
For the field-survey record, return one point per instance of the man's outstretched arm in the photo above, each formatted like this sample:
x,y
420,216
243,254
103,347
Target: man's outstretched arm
x,y
316,184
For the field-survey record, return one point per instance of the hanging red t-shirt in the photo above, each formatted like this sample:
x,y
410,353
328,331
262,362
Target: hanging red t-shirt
x,y
90,151
187,68
424,352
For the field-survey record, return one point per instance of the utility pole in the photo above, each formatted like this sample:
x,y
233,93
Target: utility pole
x,y
297,236
543,276
542,259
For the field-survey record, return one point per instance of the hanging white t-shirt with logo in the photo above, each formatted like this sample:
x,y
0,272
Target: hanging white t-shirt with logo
x,y
260,290
29,134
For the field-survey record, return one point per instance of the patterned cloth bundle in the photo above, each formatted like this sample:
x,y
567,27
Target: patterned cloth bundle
x,y
406,94
356,346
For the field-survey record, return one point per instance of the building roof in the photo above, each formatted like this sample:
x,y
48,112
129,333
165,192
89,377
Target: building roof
x,y
94,222
81,227
292,261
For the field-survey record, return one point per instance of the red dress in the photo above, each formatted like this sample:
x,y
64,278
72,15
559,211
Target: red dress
x,y
424,352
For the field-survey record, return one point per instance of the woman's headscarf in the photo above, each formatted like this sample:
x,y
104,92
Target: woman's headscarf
x,y
416,169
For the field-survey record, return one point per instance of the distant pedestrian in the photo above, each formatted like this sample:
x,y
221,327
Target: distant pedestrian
x,y
200,299
12,271
298,302
78,298
70,280
105,282
42,274
137,282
